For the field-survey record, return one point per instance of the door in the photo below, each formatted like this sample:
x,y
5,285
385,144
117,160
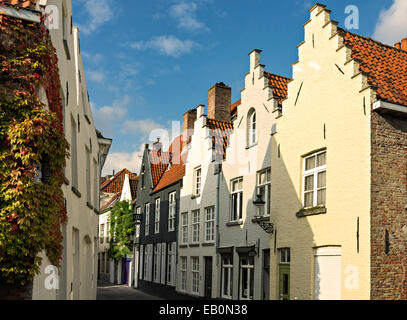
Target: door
x,y
327,273
284,282
208,277
284,274
266,275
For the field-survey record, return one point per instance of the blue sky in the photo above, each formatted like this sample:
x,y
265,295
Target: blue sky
x,y
147,62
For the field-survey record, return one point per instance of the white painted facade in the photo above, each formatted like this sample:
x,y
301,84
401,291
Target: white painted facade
x,y
77,277
244,245
199,156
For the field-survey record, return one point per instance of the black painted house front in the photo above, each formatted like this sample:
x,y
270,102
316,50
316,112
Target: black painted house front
x,y
158,194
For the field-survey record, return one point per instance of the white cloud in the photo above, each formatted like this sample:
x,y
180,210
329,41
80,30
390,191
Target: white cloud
x,y
185,14
106,116
167,45
119,160
96,76
392,24
99,12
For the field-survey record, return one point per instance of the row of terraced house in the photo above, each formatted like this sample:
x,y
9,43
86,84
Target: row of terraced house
x,y
295,191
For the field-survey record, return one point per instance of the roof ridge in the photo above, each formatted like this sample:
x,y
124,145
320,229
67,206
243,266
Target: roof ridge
x,y
371,39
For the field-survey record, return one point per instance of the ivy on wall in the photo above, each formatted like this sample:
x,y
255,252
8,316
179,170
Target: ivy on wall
x,y
31,137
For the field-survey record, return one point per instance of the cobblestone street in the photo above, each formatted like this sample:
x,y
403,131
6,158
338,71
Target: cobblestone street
x,y
108,291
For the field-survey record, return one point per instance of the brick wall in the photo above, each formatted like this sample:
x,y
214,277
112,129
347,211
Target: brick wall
x,y
388,207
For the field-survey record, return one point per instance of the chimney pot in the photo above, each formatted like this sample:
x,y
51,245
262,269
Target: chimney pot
x,y
219,101
188,124
404,44
157,146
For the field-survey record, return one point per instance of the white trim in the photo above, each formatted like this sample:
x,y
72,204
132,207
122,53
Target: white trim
x,y
313,172
383,105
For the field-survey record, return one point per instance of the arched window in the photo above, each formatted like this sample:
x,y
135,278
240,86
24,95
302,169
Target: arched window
x,y
251,128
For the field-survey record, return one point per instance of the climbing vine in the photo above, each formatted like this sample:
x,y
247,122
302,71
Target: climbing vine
x,y
31,141
121,229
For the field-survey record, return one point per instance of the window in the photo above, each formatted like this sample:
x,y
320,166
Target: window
x,y
263,188
157,260
252,130
184,228
102,233
237,199
197,182
163,260
314,180
285,256
171,213
184,270
171,264
227,277
138,212
88,177
246,278
147,223
195,274
74,154
157,216
195,226
210,224
107,232
95,185
148,256
142,263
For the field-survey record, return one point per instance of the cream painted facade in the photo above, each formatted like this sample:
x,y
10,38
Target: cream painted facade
x,y
199,156
77,278
328,107
245,160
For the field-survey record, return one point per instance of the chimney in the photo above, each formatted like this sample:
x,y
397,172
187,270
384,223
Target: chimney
x,y
188,124
404,44
157,146
219,101
397,45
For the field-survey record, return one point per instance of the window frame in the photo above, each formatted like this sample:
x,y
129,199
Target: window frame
x,y
171,210
184,228
157,211
315,173
267,196
209,225
184,273
238,216
147,216
195,234
249,268
229,267
252,137
197,181
195,275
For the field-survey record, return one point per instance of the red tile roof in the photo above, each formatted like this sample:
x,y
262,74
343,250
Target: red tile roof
x,y
115,184
111,202
220,132
385,66
31,4
159,162
171,176
233,107
279,85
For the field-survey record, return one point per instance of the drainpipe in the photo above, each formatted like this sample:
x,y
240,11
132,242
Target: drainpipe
x,y
218,170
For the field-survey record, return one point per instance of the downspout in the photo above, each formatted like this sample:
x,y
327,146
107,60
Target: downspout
x,y
218,171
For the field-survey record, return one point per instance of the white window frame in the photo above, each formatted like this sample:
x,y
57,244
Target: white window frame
x,y
252,128
156,263
141,271
184,273
267,187
313,172
171,211
147,216
184,228
171,263
195,226
246,268
138,212
209,236
229,267
195,275
197,181
163,260
157,216
238,216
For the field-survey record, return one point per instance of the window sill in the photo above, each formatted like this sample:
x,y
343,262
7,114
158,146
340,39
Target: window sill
x,y
96,211
234,223
311,212
76,192
183,246
194,245
195,196
66,181
68,55
87,119
208,244
89,205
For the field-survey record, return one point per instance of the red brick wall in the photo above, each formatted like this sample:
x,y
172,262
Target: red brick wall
x,y
388,207
219,102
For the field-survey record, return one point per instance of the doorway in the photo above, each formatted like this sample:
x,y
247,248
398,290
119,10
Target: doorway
x,y
208,277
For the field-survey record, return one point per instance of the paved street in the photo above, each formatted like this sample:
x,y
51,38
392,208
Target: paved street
x,y
107,291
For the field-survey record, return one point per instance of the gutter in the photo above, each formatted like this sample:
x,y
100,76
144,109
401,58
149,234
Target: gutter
x,y
218,171
390,107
